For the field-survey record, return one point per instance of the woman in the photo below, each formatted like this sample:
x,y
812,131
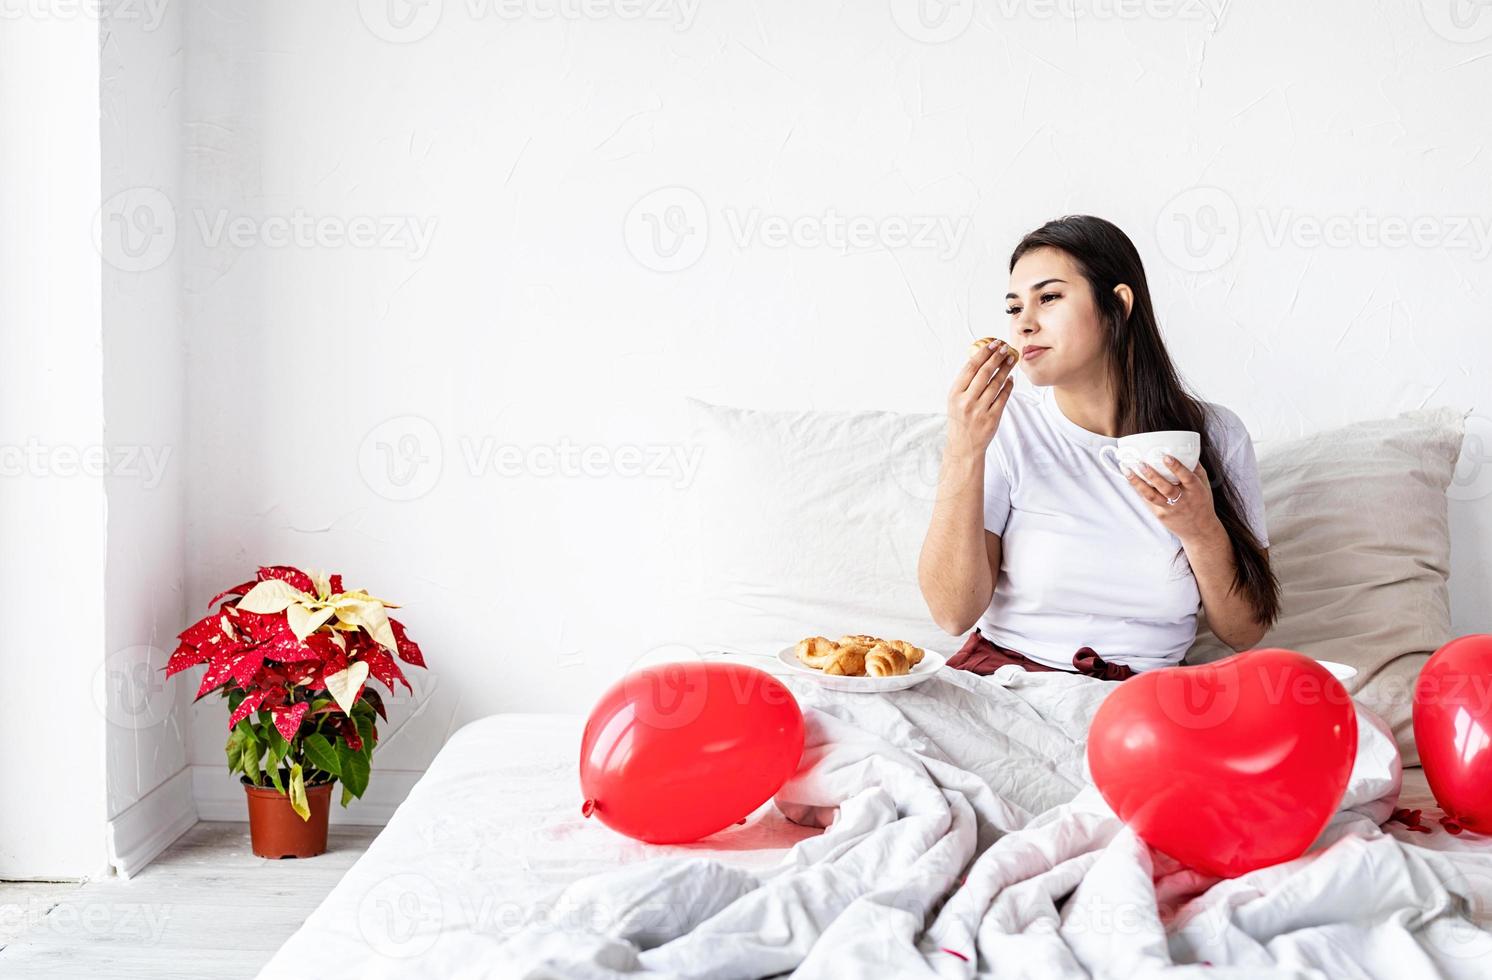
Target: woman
x,y
1058,561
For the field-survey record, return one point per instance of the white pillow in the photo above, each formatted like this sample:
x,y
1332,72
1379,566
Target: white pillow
x,y
1359,537
810,522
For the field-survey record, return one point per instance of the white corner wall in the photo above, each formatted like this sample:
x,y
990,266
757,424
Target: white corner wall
x,y
420,240
144,350
51,427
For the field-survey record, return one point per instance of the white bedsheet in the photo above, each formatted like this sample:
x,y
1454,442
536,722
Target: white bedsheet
x,y
963,839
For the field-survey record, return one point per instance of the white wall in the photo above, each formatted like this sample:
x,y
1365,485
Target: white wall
x,y
51,432
150,787
584,175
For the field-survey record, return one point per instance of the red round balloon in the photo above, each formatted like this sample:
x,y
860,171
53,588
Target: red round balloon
x,y
1228,766
676,751
1453,729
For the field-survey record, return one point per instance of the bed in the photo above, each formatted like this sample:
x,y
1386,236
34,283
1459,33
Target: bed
x,y
489,869
950,829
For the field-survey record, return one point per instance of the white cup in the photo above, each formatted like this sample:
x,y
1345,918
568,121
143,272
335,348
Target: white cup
x,y
1151,447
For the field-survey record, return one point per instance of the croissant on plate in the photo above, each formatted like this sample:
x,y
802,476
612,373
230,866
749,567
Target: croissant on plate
x,y
858,655
886,661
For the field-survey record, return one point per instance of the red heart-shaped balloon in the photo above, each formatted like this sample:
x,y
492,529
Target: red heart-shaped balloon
x,y
1453,729
676,751
1228,766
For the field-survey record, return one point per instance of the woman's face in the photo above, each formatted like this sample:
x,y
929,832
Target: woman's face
x,y
1051,305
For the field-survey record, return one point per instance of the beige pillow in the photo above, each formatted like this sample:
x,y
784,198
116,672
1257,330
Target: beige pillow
x,y
1360,542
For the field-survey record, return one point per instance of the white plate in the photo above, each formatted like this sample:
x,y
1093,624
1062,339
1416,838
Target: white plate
x,y
929,665
1342,672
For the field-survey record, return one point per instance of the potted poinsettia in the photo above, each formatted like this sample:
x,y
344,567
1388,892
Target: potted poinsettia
x,y
291,652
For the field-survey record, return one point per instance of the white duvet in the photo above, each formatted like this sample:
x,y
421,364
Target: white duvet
x,y
963,838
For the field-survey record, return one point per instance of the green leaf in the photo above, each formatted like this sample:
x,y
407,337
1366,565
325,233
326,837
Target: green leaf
x,y
298,792
321,753
364,725
233,749
353,768
274,777
346,796
249,757
278,747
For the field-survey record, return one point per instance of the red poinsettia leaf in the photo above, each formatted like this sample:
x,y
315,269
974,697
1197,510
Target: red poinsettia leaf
x,y
287,719
290,575
384,668
334,582
335,661
372,696
409,651
203,629
286,648
247,706
184,657
349,732
215,676
237,590
246,665
262,626
324,646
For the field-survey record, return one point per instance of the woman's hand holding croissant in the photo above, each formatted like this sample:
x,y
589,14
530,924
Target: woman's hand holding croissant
x,y
977,400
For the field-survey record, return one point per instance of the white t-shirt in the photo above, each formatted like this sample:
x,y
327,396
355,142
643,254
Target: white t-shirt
x,y
1083,560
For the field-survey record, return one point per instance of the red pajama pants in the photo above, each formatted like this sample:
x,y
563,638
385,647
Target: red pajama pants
x,y
981,655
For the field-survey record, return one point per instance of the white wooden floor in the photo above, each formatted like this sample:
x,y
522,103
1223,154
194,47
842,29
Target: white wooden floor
x,y
206,908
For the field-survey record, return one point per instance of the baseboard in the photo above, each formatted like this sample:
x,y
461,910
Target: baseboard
x,y
148,826
220,796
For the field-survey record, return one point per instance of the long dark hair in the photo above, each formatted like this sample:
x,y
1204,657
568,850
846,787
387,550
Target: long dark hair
x,y
1150,392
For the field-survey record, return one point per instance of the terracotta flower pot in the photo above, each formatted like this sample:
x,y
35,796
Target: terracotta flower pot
x,y
277,831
